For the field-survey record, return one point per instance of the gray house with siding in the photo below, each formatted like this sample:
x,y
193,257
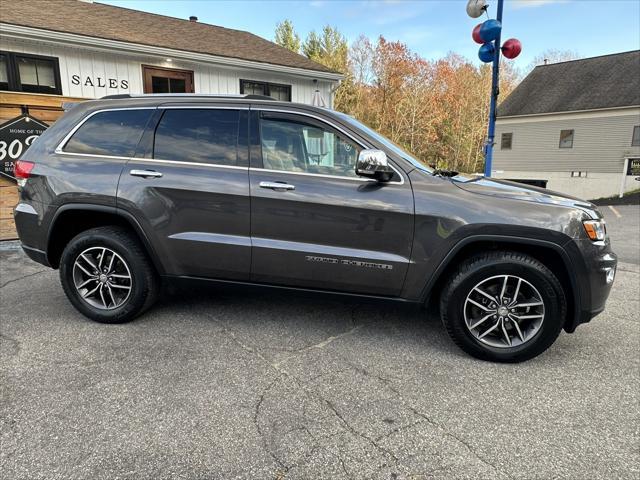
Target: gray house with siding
x,y
575,125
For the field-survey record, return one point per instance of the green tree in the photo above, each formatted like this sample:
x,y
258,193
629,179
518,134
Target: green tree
x,y
330,48
312,48
287,37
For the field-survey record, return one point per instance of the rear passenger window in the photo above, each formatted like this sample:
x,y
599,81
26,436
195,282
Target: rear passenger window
x,y
202,136
115,133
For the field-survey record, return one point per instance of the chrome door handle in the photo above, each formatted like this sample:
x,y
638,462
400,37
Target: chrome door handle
x,y
277,186
145,173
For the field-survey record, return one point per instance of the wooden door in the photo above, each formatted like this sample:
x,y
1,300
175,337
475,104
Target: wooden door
x,y
167,80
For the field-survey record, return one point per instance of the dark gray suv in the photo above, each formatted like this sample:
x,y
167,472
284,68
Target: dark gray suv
x,y
121,193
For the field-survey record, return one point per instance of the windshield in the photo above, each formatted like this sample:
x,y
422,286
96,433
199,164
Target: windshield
x,y
384,141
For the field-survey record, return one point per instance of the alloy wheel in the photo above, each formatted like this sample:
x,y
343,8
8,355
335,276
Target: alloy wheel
x,y
102,278
504,311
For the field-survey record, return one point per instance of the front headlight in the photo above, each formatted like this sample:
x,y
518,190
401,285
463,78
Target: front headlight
x,y
596,229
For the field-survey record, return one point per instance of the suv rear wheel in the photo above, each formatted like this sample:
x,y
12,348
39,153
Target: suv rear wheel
x,y
503,306
107,276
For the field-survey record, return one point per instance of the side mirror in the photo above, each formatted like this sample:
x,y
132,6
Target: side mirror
x,y
374,164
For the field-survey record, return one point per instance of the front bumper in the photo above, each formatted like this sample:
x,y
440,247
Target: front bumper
x,y
36,255
595,268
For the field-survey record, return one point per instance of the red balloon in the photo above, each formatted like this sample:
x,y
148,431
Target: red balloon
x,y
511,48
476,34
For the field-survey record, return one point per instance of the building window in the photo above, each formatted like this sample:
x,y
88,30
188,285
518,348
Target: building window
x,y
505,143
273,90
29,73
4,72
566,139
635,140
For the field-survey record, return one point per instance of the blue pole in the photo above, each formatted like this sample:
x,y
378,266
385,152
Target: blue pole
x,y
495,91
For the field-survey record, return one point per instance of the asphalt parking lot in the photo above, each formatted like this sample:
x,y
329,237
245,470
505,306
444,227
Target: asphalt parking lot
x,y
220,384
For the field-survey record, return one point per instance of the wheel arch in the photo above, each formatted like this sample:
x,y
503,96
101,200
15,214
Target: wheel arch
x,y
551,254
71,219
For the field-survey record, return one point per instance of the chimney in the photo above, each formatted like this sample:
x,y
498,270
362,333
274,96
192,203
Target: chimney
x,y
193,18
546,61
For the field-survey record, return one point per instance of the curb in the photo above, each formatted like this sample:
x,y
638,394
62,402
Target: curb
x,y
10,245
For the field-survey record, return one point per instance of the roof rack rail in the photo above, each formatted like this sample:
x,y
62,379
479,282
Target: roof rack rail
x,y
122,95
206,95
258,97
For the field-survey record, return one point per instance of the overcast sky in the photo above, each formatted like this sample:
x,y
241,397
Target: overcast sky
x,y
430,28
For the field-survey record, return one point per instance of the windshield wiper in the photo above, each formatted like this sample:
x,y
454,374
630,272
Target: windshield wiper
x,y
440,172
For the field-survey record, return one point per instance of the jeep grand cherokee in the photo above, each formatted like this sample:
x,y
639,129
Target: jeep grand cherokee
x,y
121,193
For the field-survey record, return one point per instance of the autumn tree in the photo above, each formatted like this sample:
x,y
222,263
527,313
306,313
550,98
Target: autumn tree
x,y
437,110
287,37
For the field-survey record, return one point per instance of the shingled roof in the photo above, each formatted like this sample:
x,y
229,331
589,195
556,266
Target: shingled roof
x,y
589,84
123,24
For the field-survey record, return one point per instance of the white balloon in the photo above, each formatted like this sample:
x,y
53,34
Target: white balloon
x,y
475,8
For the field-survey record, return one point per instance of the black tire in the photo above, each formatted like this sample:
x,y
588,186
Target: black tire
x,y
144,285
484,266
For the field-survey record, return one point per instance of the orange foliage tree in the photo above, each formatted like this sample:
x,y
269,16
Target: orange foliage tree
x,y
437,110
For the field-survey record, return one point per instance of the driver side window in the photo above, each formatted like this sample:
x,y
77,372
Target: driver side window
x,y
302,147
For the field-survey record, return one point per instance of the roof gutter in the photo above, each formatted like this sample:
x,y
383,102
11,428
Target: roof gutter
x,y
526,115
103,44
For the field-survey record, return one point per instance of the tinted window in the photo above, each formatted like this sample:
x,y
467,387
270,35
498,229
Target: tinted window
x,y
203,136
113,133
300,147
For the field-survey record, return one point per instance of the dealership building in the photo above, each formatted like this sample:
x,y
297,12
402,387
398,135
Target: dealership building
x,y
69,50
574,126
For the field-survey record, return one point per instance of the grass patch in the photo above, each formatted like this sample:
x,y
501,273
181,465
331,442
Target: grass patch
x,y
630,198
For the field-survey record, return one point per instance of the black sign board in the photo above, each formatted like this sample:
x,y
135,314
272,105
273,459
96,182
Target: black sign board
x,y
633,167
15,137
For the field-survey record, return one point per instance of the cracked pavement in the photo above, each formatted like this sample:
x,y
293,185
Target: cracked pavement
x,y
219,383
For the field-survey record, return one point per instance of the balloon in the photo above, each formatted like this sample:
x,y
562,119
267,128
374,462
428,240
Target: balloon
x,y
490,30
475,8
487,52
511,48
476,34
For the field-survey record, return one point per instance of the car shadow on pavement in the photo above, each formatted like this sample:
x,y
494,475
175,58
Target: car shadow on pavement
x,y
283,320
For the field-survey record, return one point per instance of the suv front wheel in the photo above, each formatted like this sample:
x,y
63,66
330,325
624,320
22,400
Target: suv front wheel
x,y
503,306
107,276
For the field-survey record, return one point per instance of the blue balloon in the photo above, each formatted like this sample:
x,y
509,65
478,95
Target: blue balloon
x,y
487,52
490,30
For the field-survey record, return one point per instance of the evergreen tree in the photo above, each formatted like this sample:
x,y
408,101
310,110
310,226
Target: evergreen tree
x,y
312,48
287,37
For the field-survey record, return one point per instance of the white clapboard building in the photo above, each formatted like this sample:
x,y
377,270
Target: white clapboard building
x,y
54,52
83,49
574,126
